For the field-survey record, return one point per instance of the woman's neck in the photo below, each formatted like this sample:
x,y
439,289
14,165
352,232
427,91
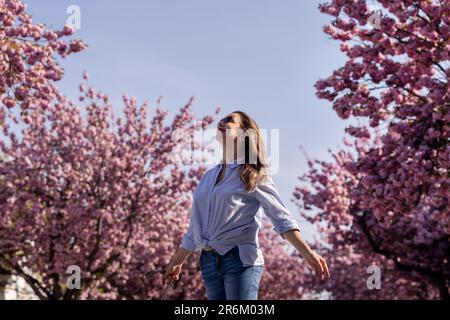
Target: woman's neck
x,y
233,159
231,156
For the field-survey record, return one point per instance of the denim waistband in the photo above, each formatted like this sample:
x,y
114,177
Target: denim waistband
x,y
235,249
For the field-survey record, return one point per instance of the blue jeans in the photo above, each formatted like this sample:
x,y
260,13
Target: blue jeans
x,y
226,278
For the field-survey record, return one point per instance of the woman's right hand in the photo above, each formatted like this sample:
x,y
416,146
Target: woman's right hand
x,y
173,272
174,268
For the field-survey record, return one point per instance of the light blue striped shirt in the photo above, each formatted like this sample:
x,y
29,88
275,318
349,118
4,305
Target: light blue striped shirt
x,y
227,214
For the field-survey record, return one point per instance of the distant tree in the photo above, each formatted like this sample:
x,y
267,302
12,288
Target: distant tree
x,y
28,58
99,193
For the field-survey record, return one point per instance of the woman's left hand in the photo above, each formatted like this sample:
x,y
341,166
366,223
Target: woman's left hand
x,y
312,258
318,264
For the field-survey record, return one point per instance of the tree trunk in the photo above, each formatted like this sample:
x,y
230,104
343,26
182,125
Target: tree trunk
x,y
4,278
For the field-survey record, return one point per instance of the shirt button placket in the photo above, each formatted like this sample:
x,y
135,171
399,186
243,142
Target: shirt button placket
x,y
208,233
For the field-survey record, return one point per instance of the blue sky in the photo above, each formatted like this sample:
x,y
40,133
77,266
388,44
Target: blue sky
x,y
260,56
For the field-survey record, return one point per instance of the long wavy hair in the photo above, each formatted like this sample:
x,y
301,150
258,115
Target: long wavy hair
x,y
252,173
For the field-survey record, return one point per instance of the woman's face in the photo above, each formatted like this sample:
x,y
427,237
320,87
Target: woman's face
x,y
229,127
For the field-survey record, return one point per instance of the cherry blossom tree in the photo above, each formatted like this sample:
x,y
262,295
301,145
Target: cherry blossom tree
x,y
28,57
411,253
396,77
82,187
385,200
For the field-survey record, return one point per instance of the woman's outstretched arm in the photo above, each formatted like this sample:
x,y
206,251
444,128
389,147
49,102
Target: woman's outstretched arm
x,y
312,258
285,224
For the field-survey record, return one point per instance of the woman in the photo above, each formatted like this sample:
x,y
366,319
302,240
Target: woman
x,y
225,217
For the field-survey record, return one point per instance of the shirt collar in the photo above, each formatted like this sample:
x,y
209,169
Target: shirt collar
x,y
234,164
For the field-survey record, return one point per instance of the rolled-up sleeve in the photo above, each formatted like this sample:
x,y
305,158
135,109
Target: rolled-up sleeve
x,y
267,195
187,241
